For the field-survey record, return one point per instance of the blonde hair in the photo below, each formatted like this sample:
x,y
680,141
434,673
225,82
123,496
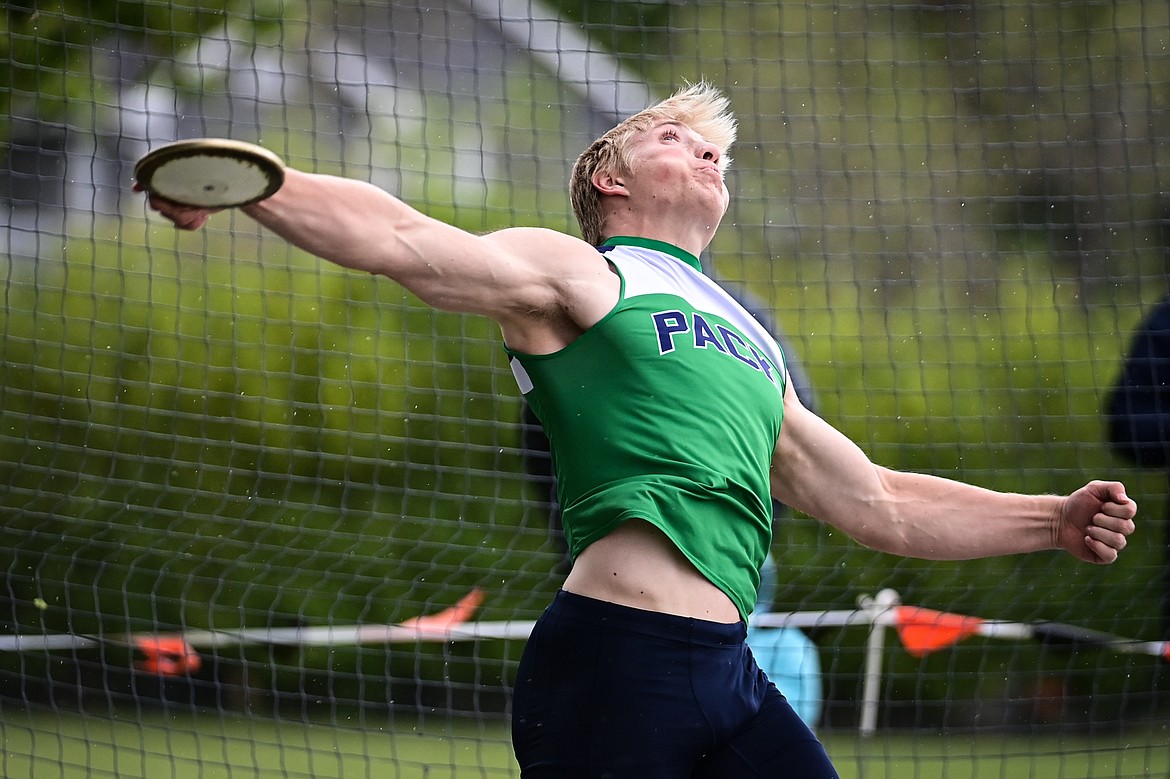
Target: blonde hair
x,y
701,107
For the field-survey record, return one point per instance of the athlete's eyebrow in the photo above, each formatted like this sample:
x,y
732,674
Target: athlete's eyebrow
x,y
675,124
682,129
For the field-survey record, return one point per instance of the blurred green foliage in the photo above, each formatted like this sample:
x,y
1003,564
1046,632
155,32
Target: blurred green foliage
x,y
47,47
203,442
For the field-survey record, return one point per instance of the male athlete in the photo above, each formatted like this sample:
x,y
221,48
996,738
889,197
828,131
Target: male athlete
x,y
672,424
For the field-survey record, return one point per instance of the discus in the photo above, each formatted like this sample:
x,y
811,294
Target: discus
x,y
210,172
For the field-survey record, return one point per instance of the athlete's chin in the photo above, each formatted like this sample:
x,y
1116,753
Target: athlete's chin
x,y
722,195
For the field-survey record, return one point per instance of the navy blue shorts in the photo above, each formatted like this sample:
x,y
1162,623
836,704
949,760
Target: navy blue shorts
x,y
608,691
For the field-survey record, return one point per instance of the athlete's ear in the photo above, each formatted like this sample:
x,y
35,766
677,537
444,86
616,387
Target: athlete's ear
x,y
608,183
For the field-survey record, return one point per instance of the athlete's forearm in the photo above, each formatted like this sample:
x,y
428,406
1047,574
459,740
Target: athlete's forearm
x,y
821,472
918,515
350,223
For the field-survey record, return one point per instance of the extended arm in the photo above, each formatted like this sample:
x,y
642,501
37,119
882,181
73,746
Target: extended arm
x,y
543,287
819,471
359,226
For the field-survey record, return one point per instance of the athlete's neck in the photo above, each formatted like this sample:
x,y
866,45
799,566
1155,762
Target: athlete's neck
x,y
656,245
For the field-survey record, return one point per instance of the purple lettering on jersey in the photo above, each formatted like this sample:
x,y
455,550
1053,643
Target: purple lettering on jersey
x,y
731,339
765,366
667,324
705,336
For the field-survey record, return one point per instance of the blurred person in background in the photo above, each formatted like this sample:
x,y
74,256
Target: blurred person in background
x,y
1138,413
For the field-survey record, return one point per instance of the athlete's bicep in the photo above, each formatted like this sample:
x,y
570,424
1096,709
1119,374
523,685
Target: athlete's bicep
x,y
817,470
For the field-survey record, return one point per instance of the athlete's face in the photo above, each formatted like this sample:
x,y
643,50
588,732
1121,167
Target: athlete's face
x,y
673,165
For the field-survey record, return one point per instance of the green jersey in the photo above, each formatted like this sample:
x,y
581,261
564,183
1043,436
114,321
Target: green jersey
x,y
667,410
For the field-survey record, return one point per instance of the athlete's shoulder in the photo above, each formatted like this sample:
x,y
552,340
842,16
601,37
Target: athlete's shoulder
x,y
549,250
538,238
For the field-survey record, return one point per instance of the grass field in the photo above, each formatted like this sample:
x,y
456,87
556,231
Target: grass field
x,y
69,746
1073,755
